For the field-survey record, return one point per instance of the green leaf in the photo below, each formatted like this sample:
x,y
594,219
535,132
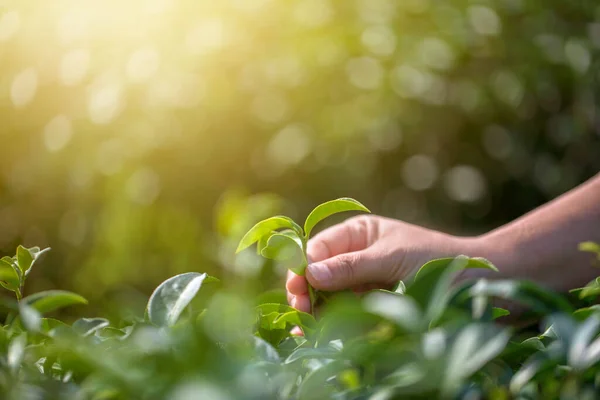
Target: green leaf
x,y
110,333
24,259
274,322
435,266
265,351
402,310
498,312
584,350
172,296
88,326
287,248
49,324
475,346
538,298
265,227
591,290
51,300
9,274
30,317
16,352
329,208
282,316
590,247
304,353
315,385
583,313
431,285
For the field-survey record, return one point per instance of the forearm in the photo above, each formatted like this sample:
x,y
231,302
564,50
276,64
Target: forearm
x,y
543,245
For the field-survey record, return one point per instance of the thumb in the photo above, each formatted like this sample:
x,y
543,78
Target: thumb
x,y
346,270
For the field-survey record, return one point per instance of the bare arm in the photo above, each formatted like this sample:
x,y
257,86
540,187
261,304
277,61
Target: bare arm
x,y
543,244
372,251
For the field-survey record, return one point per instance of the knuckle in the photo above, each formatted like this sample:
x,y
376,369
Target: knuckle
x,y
346,267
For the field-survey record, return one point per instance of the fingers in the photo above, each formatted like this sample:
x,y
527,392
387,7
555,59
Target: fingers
x,y
351,235
301,302
296,284
348,270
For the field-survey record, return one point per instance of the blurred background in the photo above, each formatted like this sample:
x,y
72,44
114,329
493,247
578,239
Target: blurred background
x,y
140,139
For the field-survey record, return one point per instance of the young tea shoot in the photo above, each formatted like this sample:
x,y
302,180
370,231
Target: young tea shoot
x,y
280,238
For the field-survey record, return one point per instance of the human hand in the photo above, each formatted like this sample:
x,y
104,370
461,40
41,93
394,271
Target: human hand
x,y
368,252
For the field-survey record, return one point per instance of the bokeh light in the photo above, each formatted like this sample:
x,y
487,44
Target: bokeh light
x,y
128,125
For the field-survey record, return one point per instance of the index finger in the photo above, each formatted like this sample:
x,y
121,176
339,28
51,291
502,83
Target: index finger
x,y
346,237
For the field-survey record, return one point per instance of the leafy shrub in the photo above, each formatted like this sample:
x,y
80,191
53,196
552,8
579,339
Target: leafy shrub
x,y
426,339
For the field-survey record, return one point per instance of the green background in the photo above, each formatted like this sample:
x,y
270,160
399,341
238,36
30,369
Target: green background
x,y
140,139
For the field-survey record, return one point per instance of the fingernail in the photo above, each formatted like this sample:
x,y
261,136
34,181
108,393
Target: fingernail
x,y
293,301
320,272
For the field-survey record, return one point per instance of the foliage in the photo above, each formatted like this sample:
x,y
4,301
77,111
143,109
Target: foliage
x,y
124,122
427,339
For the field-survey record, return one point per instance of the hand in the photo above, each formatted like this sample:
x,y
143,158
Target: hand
x,y
368,252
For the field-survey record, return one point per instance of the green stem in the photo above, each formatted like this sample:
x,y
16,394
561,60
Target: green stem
x,y
313,298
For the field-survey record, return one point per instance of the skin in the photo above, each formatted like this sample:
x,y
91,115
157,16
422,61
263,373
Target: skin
x,y
369,251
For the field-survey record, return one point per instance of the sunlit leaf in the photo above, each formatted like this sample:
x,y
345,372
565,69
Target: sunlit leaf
x,y
52,300
329,208
26,257
583,354
16,352
498,312
30,317
9,274
306,353
286,247
172,296
475,346
265,227
591,290
402,310
265,351
590,247
583,313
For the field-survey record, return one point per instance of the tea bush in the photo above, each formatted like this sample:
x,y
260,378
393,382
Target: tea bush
x,y
199,339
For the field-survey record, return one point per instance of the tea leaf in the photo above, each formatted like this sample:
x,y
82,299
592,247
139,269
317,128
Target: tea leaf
x,y
472,262
329,208
9,274
24,259
265,351
27,257
498,312
16,352
51,300
430,288
286,247
172,296
31,318
88,326
265,227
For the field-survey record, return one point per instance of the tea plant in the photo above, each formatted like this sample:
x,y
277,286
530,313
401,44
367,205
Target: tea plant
x,y
429,339
290,244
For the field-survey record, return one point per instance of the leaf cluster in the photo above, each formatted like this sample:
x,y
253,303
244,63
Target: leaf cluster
x,y
427,339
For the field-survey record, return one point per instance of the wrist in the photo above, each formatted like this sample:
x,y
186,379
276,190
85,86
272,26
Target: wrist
x,y
500,253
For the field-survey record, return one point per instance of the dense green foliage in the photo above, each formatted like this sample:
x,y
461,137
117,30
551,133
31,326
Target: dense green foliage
x,y
426,339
